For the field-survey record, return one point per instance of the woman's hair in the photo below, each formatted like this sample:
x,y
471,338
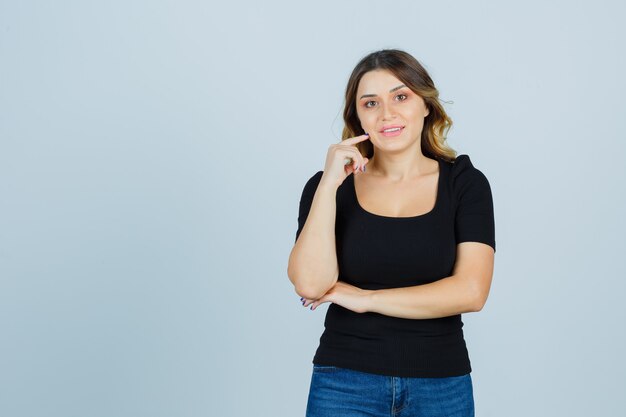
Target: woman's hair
x,y
407,69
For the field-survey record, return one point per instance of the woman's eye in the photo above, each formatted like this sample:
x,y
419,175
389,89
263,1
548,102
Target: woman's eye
x,y
368,102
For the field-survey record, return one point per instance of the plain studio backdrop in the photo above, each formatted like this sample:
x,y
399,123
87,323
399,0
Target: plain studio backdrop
x,y
152,157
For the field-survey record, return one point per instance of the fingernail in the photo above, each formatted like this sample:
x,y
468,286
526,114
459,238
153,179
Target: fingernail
x,y
367,133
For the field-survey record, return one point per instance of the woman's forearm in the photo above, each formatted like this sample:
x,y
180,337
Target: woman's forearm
x,y
313,267
446,297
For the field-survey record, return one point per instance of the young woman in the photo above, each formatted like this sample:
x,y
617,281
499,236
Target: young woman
x,y
400,250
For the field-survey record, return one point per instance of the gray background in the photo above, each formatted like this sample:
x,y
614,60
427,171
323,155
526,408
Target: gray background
x,y
152,156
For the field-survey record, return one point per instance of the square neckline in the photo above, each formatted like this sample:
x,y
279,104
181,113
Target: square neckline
x,y
380,216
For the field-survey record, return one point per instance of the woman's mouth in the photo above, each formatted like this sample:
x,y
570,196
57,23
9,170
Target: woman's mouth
x,y
392,132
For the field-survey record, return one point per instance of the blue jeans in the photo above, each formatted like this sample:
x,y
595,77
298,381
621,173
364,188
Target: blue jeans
x,y
341,392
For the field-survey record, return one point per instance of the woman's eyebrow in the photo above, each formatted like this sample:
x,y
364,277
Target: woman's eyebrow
x,y
391,91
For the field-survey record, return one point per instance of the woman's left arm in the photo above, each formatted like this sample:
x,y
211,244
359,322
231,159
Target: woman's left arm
x,y
466,290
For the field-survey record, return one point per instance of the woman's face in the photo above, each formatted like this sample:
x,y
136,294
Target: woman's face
x,y
382,100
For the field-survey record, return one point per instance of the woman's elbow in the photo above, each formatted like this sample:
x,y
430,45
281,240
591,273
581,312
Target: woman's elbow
x,y
307,293
304,289
312,289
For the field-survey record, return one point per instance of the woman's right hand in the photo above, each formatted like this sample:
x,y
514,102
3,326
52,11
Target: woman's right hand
x,y
336,169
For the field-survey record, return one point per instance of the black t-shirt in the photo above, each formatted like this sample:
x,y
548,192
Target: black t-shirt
x,y
376,252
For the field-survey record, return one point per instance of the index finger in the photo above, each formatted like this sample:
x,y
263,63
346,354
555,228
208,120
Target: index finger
x,y
356,139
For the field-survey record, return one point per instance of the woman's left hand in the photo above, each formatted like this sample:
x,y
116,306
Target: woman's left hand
x,y
346,295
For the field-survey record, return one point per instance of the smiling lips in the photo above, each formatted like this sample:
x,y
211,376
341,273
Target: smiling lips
x,y
393,130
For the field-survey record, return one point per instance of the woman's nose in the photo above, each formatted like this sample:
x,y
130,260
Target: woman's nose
x,y
387,112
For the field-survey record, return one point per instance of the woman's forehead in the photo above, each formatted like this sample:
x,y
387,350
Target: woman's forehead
x,y
378,82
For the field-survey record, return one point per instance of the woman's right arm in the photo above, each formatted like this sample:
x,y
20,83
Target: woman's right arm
x,y
313,267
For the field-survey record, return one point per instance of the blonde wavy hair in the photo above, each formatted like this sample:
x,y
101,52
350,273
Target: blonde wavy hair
x,y
408,70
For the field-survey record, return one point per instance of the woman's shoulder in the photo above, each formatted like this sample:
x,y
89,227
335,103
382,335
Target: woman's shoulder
x,y
315,178
462,165
464,172
311,185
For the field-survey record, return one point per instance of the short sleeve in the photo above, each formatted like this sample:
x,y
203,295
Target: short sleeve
x,y
307,199
474,214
